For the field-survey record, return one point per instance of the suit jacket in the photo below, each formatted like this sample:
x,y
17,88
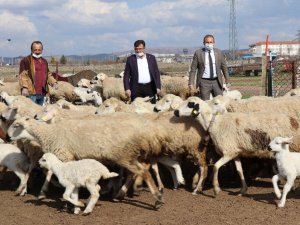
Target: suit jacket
x,y
131,74
198,63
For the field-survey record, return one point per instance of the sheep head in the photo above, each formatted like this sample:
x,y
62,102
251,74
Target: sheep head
x,y
279,144
18,129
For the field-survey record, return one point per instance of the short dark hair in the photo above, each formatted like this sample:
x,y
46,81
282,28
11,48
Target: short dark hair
x,y
36,42
208,36
138,42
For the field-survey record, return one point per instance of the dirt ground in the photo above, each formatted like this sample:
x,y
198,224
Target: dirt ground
x,y
181,207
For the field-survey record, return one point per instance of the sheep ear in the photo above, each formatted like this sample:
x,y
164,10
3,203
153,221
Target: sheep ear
x,y
288,140
176,103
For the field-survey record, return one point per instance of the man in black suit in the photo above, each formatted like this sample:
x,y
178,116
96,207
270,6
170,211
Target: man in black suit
x,y
141,75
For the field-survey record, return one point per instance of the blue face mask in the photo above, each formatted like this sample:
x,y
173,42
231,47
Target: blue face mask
x,y
209,46
36,56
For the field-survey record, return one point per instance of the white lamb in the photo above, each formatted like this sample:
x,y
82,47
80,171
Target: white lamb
x,y
288,166
12,158
75,174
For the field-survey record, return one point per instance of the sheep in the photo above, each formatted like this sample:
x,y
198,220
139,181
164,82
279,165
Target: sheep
x,y
12,88
75,174
64,91
168,103
248,133
49,112
84,83
293,92
288,105
68,106
111,86
175,85
139,105
145,136
233,94
15,160
288,166
101,145
86,95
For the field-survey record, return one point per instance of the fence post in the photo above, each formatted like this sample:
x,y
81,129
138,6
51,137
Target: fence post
x,y
270,80
294,77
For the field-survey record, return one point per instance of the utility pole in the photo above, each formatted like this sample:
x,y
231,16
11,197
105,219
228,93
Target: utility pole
x,y
233,42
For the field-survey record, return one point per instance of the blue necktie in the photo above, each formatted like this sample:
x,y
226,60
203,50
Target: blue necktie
x,y
211,69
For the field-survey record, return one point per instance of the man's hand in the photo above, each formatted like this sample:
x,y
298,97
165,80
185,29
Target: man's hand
x,y
128,93
55,86
25,92
157,91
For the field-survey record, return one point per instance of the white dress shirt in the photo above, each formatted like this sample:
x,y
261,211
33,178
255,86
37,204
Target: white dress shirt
x,y
143,70
206,73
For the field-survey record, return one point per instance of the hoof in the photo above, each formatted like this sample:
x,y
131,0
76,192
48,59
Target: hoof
x,y
161,191
120,195
76,210
86,213
158,204
217,191
41,196
80,204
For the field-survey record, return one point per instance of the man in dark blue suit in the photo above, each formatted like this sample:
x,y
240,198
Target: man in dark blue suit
x,y
141,75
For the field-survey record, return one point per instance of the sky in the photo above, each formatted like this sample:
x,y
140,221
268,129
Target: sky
x,y
85,27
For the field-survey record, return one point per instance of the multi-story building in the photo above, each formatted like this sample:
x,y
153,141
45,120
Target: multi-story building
x,y
281,48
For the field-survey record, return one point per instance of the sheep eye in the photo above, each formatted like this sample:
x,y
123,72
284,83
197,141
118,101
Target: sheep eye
x,y
43,160
191,104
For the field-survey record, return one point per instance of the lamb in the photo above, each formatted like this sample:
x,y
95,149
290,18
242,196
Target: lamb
x,y
12,158
249,133
288,165
233,94
85,83
75,174
168,103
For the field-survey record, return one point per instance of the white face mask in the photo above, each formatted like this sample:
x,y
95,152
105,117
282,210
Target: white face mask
x,y
209,46
36,56
140,54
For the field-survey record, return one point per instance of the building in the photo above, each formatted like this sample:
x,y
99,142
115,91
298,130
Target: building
x,y
281,48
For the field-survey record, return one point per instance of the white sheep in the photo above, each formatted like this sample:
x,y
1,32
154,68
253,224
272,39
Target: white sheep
x,y
64,91
248,134
293,92
233,94
87,95
15,160
75,174
288,164
85,83
168,103
12,88
175,85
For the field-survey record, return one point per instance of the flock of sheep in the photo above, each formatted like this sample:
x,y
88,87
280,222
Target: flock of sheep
x,y
75,141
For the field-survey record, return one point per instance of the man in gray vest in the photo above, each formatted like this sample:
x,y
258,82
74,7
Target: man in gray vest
x,y
211,66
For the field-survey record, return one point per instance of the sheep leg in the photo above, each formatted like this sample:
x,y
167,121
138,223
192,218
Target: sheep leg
x,y
122,192
45,185
140,170
239,169
3,169
75,197
154,166
94,191
202,171
177,175
22,189
67,196
222,161
287,187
